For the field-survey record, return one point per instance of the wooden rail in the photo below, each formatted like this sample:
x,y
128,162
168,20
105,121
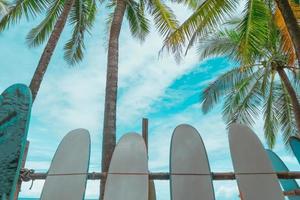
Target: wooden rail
x,y
164,175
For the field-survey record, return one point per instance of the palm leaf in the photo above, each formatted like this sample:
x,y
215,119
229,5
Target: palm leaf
x,y
4,6
242,104
164,18
27,8
82,17
271,121
224,43
222,86
254,29
138,23
285,113
206,17
40,33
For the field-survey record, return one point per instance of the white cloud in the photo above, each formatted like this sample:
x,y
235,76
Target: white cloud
x,y
226,190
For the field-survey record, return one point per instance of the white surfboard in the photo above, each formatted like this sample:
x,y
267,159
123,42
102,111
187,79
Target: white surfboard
x,y
128,171
152,193
67,175
254,172
190,172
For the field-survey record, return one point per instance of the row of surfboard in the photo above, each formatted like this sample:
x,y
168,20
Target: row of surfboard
x,y
128,176
191,179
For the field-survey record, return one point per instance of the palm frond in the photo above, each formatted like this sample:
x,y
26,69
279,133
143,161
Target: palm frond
x,y
164,18
265,80
206,17
4,6
138,23
27,8
285,112
82,17
40,33
296,2
242,103
224,43
253,29
271,121
222,86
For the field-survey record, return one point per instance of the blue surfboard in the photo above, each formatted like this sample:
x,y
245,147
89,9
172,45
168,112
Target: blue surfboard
x,y
295,145
279,166
15,106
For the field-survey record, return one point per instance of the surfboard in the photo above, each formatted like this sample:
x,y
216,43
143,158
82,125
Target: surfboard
x,y
295,145
67,175
15,107
279,166
254,172
190,171
128,171
152,193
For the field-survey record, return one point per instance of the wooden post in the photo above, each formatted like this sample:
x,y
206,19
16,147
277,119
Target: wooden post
x,y
151,186
145,131
18,189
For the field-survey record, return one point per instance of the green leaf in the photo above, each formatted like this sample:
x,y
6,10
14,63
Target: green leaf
x,y
271,121
223,43
138,23
206,17
41,33
254,29
222,86
285,113
242,103
27,8
82,17
4,7
164,18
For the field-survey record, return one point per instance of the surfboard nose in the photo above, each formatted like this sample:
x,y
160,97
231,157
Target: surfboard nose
x,y
67,175
254,173
130,142
128,171
190,172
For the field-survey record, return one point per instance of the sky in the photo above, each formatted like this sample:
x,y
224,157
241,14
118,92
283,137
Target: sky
x,y
158,88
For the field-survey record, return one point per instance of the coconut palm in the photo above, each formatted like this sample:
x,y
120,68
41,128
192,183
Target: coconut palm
x,y
262,84
286,38
213,13
165,22
287,9
81,15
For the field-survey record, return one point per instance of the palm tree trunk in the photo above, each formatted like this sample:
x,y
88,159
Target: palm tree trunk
x,y
49,49
291,23
293,95
109,124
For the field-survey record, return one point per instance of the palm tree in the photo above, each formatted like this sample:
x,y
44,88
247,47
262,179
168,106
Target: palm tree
x,y
212,13
260,84
165,22
81,15
285,35
291,21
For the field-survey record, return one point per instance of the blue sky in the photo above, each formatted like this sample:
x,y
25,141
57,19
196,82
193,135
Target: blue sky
x,y
157,88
